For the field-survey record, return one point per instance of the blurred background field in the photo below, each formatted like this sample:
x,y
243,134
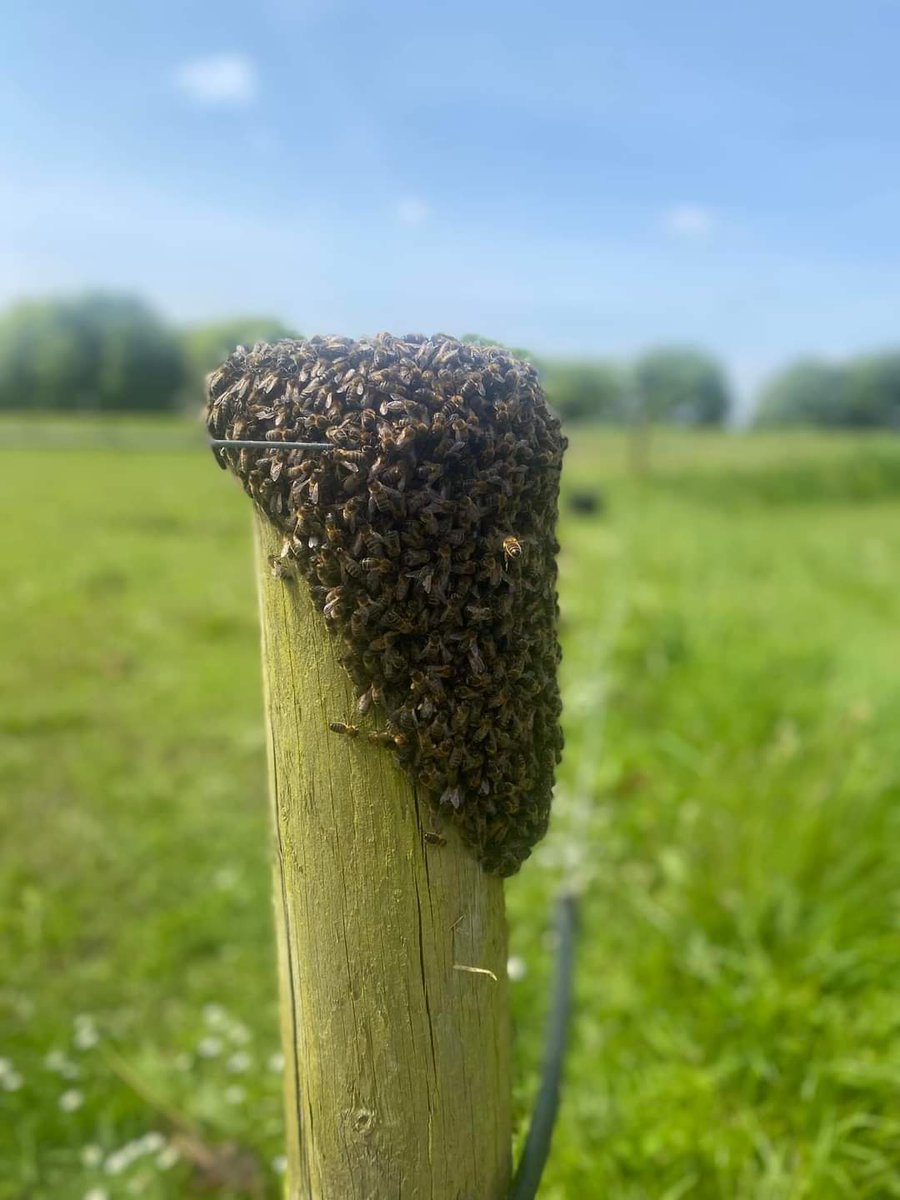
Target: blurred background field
x,y
687,217
728,801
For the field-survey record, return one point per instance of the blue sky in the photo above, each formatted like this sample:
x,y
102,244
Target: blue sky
x,y
572,177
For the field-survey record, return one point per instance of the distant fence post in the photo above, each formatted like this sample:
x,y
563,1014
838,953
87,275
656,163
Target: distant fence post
x,y
397,1074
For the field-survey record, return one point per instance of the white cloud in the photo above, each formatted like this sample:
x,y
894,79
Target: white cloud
x,y
218,80
690,221
412,211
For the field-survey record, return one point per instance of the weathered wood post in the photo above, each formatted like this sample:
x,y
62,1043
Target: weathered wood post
x,y
388,890
397,1064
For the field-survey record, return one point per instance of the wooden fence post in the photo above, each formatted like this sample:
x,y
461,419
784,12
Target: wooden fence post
x,y
392,948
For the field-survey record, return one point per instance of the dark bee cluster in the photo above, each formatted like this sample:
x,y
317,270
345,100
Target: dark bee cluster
x,y
426,531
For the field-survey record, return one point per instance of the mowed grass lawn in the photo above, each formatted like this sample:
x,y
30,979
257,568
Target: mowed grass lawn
x,y
729,803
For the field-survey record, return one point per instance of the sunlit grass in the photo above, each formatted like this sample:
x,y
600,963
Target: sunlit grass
x,y
728,801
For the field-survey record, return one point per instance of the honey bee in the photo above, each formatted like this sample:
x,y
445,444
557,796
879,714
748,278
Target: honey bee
x,y
404,583
349,565
280,569
452,796
343,727
380,737
332,603
512,548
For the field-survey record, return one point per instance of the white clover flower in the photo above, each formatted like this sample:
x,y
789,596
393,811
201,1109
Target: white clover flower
x,y
239,1062
86,1035
215,1016
516,968
152,1142
5,1067
279,1164
226,879
235,1094
91,1156
239,1034
276,1062
167,1158
11,1081
97,1193
118,1161
133,1150
209,1047
58,1062
71,1100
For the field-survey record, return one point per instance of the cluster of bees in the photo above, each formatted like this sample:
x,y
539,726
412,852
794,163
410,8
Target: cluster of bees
x,y
425,528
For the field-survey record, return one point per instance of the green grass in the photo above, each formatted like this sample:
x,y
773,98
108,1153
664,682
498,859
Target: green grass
x,y
728,800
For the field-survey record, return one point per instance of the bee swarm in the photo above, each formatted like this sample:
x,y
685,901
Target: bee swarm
x,y
426,531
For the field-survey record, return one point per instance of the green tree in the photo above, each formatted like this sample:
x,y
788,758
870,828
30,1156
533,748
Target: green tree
x,y
809,392
861,394
96,352
873,391
583,391
208,345
680,386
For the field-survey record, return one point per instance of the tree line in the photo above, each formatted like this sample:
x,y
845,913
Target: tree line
x,y
685,386
109,353
863,393
105,352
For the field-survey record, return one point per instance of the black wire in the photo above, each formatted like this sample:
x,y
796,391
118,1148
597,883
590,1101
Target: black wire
x,y
540,1133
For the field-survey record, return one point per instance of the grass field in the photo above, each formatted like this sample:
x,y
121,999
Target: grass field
x,y
729,801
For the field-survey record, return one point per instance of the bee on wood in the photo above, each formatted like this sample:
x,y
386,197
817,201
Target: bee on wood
x,y
452,796
280,567
343,727
434,838
383,738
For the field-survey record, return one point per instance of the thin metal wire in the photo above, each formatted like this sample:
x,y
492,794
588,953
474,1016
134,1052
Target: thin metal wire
x,y
113,442
254,444
540,1132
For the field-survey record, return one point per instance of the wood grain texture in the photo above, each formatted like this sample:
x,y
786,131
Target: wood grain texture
x,y
397,1081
